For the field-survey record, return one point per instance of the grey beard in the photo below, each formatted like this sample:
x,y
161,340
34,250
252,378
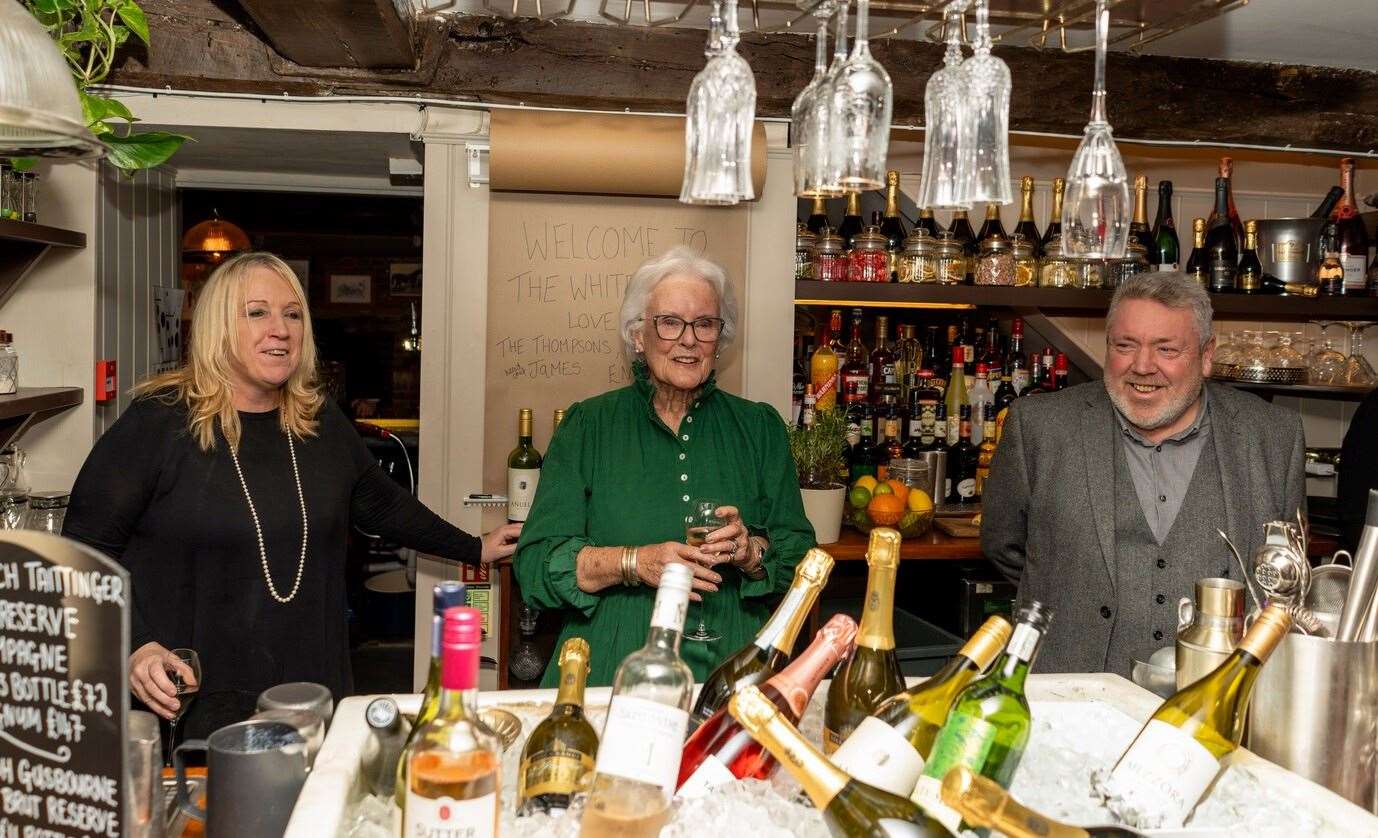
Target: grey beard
x,y
1171,412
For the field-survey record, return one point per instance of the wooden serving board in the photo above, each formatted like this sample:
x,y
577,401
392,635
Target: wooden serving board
x,y
958,527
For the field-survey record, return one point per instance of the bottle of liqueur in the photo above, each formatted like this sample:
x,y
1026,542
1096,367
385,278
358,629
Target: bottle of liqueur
x,y
1197,267
985,452
454,765
444,596
800,378
850,808
889,447
808,412
852,222
872,673
927,222
1061,371
1004,396
908,360
882,363
1352,238
1138,226
891,224
1222,247
956,396
981,396
934,358
857,416
925,400
888,749
558,758
1035,377
1015,361
774,643
1227,173
638,758
824,366
523,470
991,226
1249,279
1027,227
988,727
721,751
961,462
1165,253
856,369
961,231
818,216
1177,754
1054,229
1330,274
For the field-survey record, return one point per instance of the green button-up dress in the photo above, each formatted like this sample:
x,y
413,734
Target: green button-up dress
x,y
615,475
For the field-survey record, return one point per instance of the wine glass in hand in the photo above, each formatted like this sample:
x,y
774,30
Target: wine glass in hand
x,y
698,524
186,687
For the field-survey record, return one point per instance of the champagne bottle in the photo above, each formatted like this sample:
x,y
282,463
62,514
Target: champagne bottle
x,y
1222,246
927,222
1352,238
818,216
1197,268
454,766
1054,228
1274,285
523,470
771,650
891,223
558,757
850,808
872,673
1138,227
1177,754
1164,253
982,803
1229,212
852,223
721,751
1327,204
888,748
991,226
988,727
1249,279
1027,227
444,596
638,757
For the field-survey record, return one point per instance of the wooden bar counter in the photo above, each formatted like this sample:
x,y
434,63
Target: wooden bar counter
x,y
934,545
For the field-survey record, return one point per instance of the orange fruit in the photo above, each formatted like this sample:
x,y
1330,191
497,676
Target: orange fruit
x,y
885,510
897,486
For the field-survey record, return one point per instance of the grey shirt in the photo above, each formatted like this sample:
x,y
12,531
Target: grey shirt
x,y
1161,472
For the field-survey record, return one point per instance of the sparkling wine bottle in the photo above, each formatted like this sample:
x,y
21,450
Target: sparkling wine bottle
x,y
1138,228
770,651
454,766
1177,754
638,757
1027,227
558,758
1352,238
888,748
721,751
444,596
983,804
872,673
1054,228
1165,251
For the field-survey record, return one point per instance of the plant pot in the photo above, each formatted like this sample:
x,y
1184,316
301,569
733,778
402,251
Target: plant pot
x,y
823,508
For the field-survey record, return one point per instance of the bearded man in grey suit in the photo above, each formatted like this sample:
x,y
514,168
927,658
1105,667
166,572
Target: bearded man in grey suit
x,y
1104,499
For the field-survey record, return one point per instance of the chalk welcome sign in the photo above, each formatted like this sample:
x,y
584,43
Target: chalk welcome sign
x,y
64,630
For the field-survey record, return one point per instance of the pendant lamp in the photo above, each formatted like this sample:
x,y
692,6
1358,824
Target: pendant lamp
x,y
213,239
40,114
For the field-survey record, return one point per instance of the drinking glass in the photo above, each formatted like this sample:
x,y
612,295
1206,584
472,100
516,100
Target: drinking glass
x,y
701,520
826,179
185,692
987,123
810,138
1095,206
1357,370
14,508
1328,364
720,113
947,161
862,103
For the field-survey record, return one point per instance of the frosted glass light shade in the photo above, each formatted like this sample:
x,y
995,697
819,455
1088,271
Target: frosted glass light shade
x,y
40,115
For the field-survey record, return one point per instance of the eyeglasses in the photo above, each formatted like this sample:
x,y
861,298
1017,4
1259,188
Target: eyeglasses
x,y
670,327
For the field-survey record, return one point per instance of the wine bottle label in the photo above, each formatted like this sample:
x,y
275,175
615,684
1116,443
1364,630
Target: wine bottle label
x,y
928,794
642,741
966,487
710,773
1019,379
896,828
1167,266
553,772
521,490
1023,642
831,741
1356,279
474,818
963,740
1162,776
877,754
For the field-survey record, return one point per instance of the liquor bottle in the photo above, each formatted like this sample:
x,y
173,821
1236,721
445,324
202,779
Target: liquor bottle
x,y
1138,226
1177,754
1054,228
1249,279
1352,237
857,415
1015,361
990,353
1327,204
872,673
638,757
1164,253
988,726
891,225
1005,395
454,766
818,216
940,444
961,462
852,222
1222,247
908,360
991,226
967,337
388,732
1330,274
823,366
1035,377
444,596
807,411
1197,267
882,363
956,397
981,396
935,358
796,393
849,807
927,222
1372,277
721,751
523,470
1049,367
985,806
856,369
1229,212
1027,227
985,451
924,402
774,643
961,231
888,748
558,757
889,446
1274,285
1060,372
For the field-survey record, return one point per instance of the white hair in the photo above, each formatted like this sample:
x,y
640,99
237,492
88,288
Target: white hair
x,y
677,261
1173,289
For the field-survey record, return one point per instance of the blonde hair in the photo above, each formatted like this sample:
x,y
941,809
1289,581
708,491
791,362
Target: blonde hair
x,y
204,383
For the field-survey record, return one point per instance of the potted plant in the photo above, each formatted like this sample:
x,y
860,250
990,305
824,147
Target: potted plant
x,y
817,452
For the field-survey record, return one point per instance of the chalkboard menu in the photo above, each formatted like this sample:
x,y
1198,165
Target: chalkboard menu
x,y
64,634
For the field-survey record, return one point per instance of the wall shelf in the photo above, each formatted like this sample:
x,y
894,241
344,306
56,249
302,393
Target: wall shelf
x,y
23,244
1302,391
33,404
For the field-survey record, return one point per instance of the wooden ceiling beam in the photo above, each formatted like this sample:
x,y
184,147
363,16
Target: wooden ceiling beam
x,y
367,34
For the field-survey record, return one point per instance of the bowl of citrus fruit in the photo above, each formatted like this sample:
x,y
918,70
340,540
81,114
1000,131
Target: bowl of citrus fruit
x,y
888,503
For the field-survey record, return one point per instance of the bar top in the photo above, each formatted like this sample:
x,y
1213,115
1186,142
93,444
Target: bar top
x,y
934,545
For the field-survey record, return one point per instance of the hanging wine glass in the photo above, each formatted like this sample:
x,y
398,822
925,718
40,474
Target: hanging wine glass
x,y
862,102
947,163
1357,370
810,139
827,180
987,137
719,115
1095,208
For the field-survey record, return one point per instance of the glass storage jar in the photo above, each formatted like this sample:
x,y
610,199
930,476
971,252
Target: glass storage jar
x,y
1056,270
829,258
47,511
951,261
995,265
1089,273
1025,262
1135,261
29,196
868,260
804,243
919,260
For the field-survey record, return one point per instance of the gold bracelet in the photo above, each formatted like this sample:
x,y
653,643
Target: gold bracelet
x,y
629,577
632,566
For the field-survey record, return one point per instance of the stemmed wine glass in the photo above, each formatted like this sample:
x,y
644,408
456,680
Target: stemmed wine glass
x,y
825,178
1095,208
987,123
698,524
862,103
1357,370
947,161
720,113
807,139
185,692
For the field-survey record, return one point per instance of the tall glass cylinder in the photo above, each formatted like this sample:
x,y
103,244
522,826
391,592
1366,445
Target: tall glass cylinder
x,y
862,103
947,160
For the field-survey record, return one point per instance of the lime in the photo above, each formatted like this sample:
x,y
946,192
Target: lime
x,y
859,497
882,489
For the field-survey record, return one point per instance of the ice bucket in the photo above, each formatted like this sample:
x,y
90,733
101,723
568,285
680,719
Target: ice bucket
x,y
1315,712
1288,247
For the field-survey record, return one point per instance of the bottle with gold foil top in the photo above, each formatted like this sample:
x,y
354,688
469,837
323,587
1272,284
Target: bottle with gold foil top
x,y
558,418
1027,227
1249,278
872,674
1139,230
558,758
1198,267
1054,228
984,805
891,224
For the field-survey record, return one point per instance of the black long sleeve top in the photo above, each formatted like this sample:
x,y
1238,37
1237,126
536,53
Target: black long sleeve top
x,y
176,517
1358,469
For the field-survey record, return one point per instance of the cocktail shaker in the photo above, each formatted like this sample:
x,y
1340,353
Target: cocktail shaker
x,y
1209,628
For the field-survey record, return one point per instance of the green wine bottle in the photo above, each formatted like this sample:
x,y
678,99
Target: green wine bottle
x,y
557,761
523,470
444,595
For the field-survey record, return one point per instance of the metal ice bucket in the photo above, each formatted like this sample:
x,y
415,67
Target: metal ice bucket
x,y
1288,247
1315,712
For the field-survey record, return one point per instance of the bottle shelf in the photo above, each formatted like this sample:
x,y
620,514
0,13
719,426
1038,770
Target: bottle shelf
x,y
23,244
1303,391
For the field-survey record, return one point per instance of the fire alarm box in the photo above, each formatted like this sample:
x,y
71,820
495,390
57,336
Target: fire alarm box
x,y
107,381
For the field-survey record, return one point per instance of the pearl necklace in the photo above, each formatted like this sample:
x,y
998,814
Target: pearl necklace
x,y
258,528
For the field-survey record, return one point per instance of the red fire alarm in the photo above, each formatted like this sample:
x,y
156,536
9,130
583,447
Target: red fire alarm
x,y
106,381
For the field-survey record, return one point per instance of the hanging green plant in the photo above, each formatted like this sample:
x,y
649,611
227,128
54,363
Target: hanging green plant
x,y
90,33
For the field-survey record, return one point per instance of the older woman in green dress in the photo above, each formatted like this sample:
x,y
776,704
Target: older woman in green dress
x,y
620,476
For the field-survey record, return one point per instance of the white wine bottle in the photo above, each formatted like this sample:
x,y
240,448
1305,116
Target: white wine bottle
x,y
888,748
523,470
444,596
638,757
558,757
872,674
984,805
1175,757
770,651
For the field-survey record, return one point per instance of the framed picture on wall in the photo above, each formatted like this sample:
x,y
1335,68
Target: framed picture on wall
x,y
351,288
302,268
404,279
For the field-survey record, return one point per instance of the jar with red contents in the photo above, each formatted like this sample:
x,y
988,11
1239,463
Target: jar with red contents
x,y
869,260
829,257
